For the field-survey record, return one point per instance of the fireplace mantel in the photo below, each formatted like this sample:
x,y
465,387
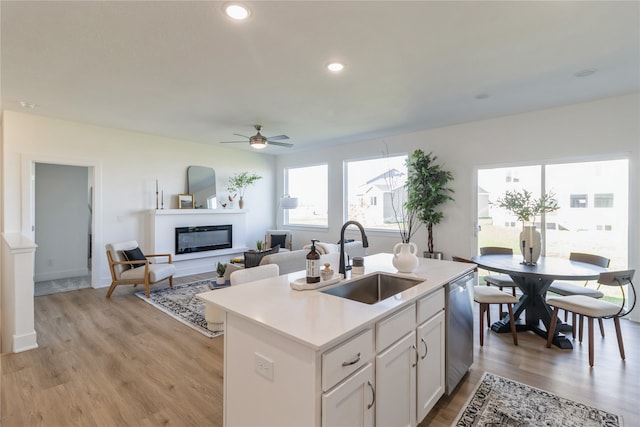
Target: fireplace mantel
x,y
162,235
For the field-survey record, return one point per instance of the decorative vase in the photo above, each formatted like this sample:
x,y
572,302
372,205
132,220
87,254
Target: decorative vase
x,y
404,257
220,280
530,244
241,203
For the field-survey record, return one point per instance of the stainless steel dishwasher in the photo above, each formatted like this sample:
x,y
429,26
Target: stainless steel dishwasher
x,y
459,329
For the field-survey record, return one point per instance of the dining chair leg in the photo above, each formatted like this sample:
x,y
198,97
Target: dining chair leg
x,y
552,326
483,307
590,331
574,316
600,323
581,326
512,322
616,322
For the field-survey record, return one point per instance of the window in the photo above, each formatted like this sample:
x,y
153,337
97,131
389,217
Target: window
x,y
577,226
603,200
579,201
310,185
376,192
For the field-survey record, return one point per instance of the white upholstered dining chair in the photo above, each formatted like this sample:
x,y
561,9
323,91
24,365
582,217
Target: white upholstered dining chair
x,y
596,308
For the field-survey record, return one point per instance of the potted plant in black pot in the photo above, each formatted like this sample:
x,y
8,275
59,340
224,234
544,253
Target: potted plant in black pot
x,y
427,190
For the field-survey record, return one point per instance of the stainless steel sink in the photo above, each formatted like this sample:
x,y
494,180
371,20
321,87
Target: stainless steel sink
x,y
373,288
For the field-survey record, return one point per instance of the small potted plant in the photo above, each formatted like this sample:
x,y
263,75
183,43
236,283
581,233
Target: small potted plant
x,y
220,270
239,182
259,244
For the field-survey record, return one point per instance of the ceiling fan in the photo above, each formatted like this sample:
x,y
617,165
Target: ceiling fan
x,y
258,141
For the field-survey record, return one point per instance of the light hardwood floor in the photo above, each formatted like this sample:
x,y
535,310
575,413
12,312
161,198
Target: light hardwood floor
x,y
121,362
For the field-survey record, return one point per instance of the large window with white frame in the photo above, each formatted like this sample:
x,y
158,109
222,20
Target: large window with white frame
x,y
310,185
375,190
593,215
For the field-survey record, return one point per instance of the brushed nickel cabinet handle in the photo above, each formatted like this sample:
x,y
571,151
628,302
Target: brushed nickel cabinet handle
x,y
353,362
426,348
417,356
373,394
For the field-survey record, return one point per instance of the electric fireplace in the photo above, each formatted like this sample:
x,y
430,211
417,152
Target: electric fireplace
x,y
203,238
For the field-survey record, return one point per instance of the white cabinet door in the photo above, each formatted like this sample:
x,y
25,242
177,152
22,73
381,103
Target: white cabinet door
x,y
431,368
396,383
351,403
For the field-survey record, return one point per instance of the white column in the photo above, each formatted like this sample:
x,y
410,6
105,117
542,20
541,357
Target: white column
x,y
18,326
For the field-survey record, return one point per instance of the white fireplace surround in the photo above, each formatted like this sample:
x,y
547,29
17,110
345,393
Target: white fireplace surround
x,y
164,222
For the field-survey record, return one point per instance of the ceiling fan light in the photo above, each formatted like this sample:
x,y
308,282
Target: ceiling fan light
x,y
237,11
257,143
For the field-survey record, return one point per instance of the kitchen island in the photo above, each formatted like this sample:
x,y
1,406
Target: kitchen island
x,y
306,358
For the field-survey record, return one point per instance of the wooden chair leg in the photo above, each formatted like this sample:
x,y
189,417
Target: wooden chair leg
x,y
574,316
147,286
111,289
552,326
581,326
590,326
488,311
171,281
482,309
600,323
616,322
512,322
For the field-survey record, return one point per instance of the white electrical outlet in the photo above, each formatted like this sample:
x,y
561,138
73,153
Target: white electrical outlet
x,y
264,366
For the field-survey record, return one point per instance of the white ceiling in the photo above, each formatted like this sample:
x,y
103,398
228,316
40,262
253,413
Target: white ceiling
x,y
183,70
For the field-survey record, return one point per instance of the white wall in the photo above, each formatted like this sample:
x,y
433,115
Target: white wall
x,y
126,166
607,127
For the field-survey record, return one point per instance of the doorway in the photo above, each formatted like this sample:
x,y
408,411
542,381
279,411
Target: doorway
x,y
63,232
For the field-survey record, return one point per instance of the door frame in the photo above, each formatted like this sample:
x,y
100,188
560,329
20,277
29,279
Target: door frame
x,y
28,200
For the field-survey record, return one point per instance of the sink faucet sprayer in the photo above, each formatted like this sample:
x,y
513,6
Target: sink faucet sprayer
x,y
365,244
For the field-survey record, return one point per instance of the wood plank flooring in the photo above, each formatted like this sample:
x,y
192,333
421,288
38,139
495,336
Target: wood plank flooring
x,y
121,362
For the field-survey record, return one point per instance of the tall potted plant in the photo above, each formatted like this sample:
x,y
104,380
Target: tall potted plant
x,y
239,182
426,190
526,208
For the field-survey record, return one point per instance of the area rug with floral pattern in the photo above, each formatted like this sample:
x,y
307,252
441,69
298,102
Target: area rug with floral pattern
x,y
499,401
180,302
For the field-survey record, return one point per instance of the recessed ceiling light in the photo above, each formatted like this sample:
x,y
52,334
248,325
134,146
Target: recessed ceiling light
x,y
335,67
586,72
29,105
236,11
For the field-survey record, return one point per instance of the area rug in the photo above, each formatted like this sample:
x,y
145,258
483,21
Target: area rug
x,y
499,401
180,302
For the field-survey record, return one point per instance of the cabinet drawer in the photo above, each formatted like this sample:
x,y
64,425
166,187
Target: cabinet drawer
x,y
346,358
394,327
430,305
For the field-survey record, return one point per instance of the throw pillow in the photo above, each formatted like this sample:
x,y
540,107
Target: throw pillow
x,y
279,240
134,255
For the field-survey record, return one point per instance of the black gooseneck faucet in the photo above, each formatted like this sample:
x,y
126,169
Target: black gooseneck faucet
x,y
365,244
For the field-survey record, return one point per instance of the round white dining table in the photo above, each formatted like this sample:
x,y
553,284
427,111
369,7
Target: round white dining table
x,y
534,281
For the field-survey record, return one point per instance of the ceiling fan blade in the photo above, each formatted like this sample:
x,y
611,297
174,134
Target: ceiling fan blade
x,y
244,136
280,144
233,142
277,137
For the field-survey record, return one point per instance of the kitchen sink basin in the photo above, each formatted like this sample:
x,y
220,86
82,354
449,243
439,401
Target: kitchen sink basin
x,y
373,288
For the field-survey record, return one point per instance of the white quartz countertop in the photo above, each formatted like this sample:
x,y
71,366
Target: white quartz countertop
x,y
320,320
